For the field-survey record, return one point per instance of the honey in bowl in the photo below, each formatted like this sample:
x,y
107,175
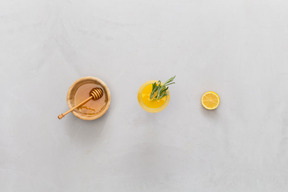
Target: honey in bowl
x,y
92,107
81,90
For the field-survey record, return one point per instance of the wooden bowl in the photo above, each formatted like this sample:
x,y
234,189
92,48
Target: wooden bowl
x,y
76,88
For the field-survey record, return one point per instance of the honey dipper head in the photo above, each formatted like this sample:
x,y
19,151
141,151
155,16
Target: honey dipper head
x,y
96,93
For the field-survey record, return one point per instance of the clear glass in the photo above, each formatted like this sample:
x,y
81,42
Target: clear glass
x,y
147,108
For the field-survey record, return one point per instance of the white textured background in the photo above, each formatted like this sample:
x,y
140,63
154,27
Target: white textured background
x,y
237,48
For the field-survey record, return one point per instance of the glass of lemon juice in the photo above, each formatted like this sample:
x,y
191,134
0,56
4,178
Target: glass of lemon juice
x,y
159,101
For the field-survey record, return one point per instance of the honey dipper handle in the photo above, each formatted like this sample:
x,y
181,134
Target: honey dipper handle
x,y
82,103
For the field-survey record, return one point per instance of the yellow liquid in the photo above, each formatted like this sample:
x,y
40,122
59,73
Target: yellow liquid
x,y
151,103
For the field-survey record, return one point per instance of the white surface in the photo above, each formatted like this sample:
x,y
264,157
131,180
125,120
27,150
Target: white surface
x,y
236,48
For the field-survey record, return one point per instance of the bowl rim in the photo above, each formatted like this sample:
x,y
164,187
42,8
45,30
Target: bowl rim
x,y
98,115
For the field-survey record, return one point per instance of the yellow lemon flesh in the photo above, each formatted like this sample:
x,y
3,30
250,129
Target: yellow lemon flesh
x,y
151,103
210,100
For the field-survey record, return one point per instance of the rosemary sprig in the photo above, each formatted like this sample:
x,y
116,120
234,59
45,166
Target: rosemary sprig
x,y
159,90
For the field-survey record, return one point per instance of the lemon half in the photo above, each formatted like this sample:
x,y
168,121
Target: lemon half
x,y
210,100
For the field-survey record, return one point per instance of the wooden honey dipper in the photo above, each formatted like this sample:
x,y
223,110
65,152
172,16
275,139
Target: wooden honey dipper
x,y
95,94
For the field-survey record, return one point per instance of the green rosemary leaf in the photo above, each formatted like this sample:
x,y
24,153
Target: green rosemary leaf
x,y
159,90
170,80
164,90
170,83
163,95
154,89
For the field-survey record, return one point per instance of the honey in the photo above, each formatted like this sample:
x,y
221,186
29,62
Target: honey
x,y
92,107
